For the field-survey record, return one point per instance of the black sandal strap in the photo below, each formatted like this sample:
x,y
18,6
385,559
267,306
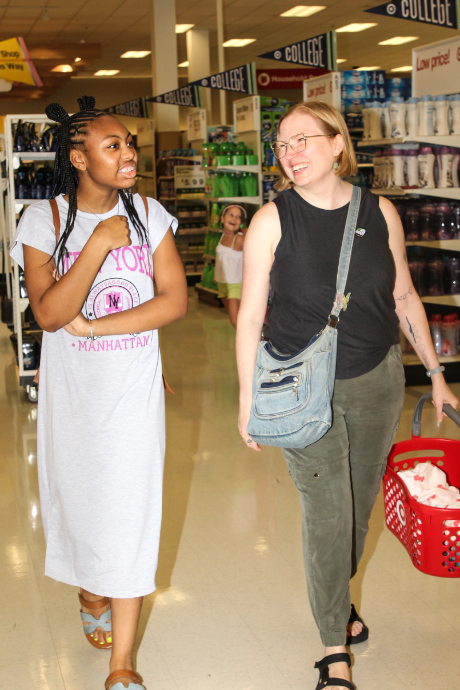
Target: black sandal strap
x,y
333,659
339,683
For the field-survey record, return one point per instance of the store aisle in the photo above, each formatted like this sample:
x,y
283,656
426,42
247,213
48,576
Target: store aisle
x,y
231,610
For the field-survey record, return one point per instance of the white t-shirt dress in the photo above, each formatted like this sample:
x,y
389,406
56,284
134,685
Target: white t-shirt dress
x,y
101,417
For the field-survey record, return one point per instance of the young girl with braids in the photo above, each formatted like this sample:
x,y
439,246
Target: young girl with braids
x,y
101,427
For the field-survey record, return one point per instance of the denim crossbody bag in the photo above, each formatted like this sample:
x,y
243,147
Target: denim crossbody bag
x,y
292,394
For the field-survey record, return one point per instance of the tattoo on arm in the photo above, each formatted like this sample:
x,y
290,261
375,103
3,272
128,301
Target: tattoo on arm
x,y
405,257
419,346
409,292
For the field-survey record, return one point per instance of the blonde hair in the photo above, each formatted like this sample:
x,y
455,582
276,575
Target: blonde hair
x,y
330,122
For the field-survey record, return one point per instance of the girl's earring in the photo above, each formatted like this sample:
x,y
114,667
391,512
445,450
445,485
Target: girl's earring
x,y
336,166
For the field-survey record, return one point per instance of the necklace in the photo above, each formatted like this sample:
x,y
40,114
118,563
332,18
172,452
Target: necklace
x,y
95,214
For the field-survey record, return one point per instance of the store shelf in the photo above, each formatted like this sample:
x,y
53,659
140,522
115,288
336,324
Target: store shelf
x,y
236,168
166,198
165,177
234,199
365,165
397,191
35,155
197,159
145,173
192,231
448,300
23,303
440,192
410,359
452,245
450,140
449,193
209,256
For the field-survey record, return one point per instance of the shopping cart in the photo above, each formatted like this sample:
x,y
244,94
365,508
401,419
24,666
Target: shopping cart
x,y
430,535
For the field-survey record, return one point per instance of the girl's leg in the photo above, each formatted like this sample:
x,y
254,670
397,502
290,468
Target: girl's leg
x,y
125,619
233,307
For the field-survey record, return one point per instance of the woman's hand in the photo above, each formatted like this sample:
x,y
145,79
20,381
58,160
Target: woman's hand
x,y
442,394
243,421
79,327
113,233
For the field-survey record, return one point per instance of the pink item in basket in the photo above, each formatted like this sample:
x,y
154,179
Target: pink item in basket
x,y
427,484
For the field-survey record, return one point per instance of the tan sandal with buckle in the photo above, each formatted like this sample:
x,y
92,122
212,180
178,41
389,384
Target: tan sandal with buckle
x,y
91,623
121,680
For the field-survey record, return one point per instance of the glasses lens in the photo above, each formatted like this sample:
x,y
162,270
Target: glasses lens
x,y
298,143
279,149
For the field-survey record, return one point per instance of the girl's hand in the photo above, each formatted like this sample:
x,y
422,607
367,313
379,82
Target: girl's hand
x,y
79,327
243,421
442,394
113,232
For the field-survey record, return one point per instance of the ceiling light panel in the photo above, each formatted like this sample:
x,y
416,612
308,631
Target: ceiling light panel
x,y
106,72
184,64
136,53
182,28
368,69
238,42
406,68
339,60
62,68
77,59
303,11
354,28
398,40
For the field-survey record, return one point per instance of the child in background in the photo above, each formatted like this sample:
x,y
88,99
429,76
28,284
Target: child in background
x,y
229,259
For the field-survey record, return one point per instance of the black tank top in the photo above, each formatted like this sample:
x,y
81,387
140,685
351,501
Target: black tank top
x,y
303,282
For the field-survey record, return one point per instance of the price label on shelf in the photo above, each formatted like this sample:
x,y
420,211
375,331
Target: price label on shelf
x,y
196,125
189,181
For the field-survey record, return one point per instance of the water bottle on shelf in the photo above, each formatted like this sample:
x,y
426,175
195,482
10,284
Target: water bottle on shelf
x,y
425,116
412,224
398,118
453,276
445,162
426,167
435,273
443,221
412,116
454,101
435,324
427,223
441,125
450,326
411,169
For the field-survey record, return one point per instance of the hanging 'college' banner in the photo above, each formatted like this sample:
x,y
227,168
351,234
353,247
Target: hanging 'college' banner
x,y
240,79
135,108
319,51
189,95
439,13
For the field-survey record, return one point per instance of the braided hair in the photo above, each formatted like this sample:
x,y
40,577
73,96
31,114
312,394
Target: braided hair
x,y
72,132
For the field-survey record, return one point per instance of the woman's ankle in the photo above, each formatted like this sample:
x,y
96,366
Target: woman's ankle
x,y
118,662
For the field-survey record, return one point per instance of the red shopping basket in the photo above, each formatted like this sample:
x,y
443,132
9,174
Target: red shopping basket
x,y
430,535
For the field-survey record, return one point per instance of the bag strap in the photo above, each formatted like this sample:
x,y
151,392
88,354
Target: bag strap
x,y
56,218
341,301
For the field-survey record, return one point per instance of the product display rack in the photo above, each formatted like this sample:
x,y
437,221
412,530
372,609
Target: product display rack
x,y
20,304
414,369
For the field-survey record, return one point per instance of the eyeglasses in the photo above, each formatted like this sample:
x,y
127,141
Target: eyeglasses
x,y
297,143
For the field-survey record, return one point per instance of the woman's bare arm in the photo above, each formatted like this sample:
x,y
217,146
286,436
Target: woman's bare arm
x,y
260,244
410,310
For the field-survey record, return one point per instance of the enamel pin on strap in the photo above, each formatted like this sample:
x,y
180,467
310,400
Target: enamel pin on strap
x,y
438,370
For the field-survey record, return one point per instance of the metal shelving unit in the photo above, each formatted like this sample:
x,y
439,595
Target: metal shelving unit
x,y
20,304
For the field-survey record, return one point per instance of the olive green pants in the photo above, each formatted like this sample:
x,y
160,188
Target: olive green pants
x,y
338,479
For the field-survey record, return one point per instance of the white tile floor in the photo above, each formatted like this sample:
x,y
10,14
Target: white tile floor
x,y
231,610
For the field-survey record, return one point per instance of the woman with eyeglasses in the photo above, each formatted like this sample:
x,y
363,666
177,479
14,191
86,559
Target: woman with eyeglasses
x,y
293,245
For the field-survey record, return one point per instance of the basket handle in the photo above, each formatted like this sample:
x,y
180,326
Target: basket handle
x,y
417,418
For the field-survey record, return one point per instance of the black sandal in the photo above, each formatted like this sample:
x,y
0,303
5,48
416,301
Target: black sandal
x,y
363,635
323,667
